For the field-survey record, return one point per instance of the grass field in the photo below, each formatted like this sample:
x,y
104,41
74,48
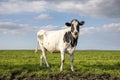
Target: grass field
x,y
89,65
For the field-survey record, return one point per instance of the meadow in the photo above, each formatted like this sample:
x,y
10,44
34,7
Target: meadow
x,y
89,65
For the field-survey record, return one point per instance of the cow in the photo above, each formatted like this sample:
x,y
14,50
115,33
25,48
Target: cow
x,y
63,41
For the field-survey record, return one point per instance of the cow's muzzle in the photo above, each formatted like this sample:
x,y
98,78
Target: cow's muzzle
x,y
75,33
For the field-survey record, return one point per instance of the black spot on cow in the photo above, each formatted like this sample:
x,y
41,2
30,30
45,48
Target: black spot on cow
x,y
70,39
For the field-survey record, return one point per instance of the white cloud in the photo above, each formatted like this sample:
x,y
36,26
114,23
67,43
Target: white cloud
x,y
94,8
13,28
88,30
113,28
49,27
44,17
22,6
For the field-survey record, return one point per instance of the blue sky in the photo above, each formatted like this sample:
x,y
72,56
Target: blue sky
x,y
21,19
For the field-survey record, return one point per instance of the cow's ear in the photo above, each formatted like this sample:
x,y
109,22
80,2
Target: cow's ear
x,y
68,24
81,23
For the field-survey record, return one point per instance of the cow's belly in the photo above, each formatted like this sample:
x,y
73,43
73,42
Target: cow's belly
x,y
52,47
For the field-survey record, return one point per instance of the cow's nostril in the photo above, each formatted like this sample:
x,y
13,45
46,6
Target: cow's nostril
x,y
75,33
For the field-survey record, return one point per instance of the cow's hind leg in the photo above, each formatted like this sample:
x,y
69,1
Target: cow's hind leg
x,y
43,56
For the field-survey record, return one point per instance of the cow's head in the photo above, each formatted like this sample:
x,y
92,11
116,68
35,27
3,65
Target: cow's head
x,y
74,27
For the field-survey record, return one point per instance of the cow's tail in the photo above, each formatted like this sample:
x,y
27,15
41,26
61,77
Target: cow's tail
x,y
36,46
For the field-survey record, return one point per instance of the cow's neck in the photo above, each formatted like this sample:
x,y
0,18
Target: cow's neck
x,y
68,37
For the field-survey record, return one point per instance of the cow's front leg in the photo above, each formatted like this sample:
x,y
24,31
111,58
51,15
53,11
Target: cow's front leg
x,y
71,61
62,60
71,52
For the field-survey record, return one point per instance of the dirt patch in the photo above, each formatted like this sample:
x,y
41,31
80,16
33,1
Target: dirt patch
x,y
60,76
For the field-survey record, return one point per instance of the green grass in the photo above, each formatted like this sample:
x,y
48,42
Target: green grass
x,y
22,63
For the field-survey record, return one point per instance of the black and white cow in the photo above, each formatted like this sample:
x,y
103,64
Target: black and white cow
x,y
63,41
